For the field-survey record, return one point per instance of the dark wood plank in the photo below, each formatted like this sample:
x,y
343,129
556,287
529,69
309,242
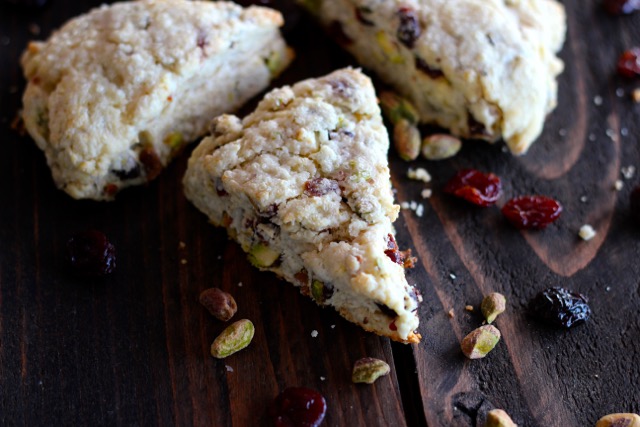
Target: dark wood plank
x,y
133,349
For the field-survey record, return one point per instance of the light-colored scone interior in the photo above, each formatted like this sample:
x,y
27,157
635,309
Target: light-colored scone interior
x,y
303,185
114,94
481,68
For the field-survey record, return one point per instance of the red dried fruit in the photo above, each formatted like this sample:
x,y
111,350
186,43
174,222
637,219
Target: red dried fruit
x,y
534,212
91,254
298,407
482,189
621,7
629,63
409,29
321,186
392,251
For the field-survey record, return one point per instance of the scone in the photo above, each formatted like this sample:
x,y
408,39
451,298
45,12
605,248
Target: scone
x,y
303,185
114,94
481,68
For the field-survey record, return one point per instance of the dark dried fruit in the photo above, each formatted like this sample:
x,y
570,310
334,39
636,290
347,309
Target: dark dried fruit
x,y
532,212
634,202
621,7
298,407
409,29
91,254
151,162
320,186
361,13
219,303
629,63
482,189
392,251
422,65
560,307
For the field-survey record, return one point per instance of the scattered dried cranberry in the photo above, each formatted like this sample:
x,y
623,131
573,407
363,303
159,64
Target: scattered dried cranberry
x,y
629,63
560,307
91,254
634,201
532,211
621,7
298,407
482,189
409,29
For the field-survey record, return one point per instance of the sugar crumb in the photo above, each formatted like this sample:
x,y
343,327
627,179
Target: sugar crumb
x,y
586,232
426,193
618,185
597,100
419,174
322,378
592,137
229,368
314,333
419,210
583,199
453,276
333,326
628,171
624,131
619,92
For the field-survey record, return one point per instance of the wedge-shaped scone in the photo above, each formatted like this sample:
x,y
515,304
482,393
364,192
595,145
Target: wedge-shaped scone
x,y
303,185
114,94
481,68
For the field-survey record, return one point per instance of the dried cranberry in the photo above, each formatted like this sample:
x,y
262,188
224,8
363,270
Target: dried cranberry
x,y
629,63
321,186
482,189
393,251
621,7
634,201
560,307
409,29
91,254
422,65
298,407
532,211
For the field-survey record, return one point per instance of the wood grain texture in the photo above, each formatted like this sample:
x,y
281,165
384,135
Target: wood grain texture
x,y
133,349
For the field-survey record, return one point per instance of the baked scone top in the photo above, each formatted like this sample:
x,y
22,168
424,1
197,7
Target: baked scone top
x,y
108,75
306,174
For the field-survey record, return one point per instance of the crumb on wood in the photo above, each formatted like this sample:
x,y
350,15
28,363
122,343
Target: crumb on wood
x,y
468,307
451,313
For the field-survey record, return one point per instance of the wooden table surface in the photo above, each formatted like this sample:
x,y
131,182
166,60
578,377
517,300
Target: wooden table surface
x,y
133,349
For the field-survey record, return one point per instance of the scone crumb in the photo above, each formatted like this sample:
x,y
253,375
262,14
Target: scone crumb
x,y
182,245
583,199
183,261
636,95
610,133
333,326
586,232
314,333
628,171
618,185
468,307
451,314
426,193
239,284
322,378
597,100
228,368
419,174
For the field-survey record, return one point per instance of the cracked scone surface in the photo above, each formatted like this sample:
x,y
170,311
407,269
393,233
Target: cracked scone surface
x,y
303,185
481,68
114,94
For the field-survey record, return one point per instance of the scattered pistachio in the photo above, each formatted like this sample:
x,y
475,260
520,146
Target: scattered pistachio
x,y
395,108
389,47
499,418
492,305
174,140
368,370
234,338
219,303
406,138
480,342
619,420
317,291
440,146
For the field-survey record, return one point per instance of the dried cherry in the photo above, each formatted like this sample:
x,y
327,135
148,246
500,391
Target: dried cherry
x,y
393,252
409,29
91,254
482,189
298,407
629,63
621,7
535,212
560,307
320,186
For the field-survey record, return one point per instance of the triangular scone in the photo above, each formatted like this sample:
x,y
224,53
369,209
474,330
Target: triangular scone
x,y
114,94
481,68
303,185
